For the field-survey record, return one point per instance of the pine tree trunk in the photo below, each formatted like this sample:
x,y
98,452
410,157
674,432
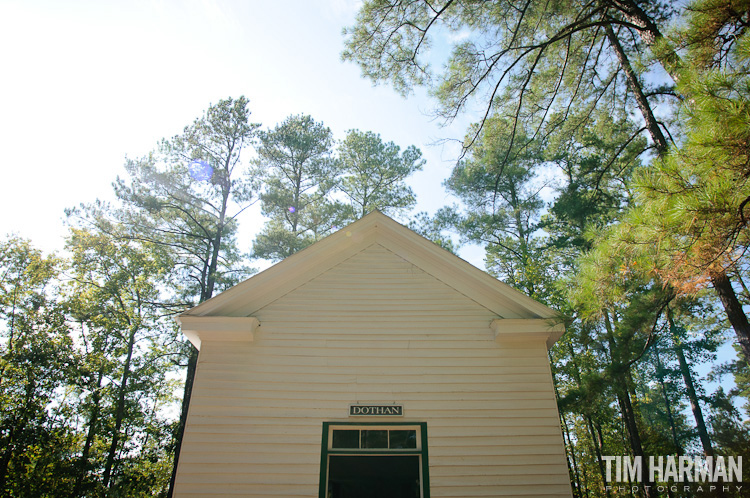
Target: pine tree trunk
x,y
626,406
597,452
734,311
667,402
628,416
187,393
694,404
687,377
572,463
568,445
597,444
635,86
193,358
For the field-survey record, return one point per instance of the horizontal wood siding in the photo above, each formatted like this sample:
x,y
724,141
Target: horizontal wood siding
x,y
374,329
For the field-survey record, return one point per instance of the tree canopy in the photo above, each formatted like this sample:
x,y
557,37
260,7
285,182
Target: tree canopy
x,y
632,115
606,176
373,173
537,57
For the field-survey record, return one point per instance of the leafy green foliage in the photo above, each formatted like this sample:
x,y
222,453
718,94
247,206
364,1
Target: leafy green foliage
x,y
686,226
700,190
84,362
176,223
126,342
37,358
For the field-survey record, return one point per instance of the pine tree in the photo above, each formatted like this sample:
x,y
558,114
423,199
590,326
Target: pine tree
x,y
373,174
295,161
184,198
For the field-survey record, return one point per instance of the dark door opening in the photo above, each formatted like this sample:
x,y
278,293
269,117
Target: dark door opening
x,y
374,460
374,476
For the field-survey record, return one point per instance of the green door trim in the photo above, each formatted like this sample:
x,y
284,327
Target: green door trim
x,y
423,452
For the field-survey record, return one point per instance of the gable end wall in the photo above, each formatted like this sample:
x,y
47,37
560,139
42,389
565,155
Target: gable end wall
x,y
374,329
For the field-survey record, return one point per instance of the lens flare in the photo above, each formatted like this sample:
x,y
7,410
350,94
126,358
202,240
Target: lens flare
x,y
200,170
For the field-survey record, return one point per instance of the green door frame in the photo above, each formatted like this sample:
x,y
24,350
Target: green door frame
x,y
422,452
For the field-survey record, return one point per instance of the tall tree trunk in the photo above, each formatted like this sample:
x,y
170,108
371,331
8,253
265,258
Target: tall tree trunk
x,y
635,86
667,402
214,264
734,311
568,443
572,462
694,403
120,410
634,436
192,363
626,406
687,377
91,433
598,445
193,358
628,416
189,379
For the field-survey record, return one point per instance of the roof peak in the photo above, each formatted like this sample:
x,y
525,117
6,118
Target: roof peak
x,y
252,294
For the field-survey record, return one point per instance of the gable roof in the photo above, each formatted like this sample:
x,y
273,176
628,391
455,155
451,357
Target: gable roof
x,y
249,296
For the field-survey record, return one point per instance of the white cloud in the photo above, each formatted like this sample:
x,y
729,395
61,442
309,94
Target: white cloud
x,y
459,36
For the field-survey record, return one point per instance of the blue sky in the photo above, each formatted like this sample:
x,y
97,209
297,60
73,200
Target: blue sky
x,y
87,82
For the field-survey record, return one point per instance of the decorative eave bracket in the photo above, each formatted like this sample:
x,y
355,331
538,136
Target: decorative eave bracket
x,y
527,329
199,329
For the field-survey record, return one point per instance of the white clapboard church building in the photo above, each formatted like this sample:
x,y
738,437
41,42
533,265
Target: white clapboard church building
x,y
372,364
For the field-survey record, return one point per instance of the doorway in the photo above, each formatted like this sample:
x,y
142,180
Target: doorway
x,y
374,461
373,476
